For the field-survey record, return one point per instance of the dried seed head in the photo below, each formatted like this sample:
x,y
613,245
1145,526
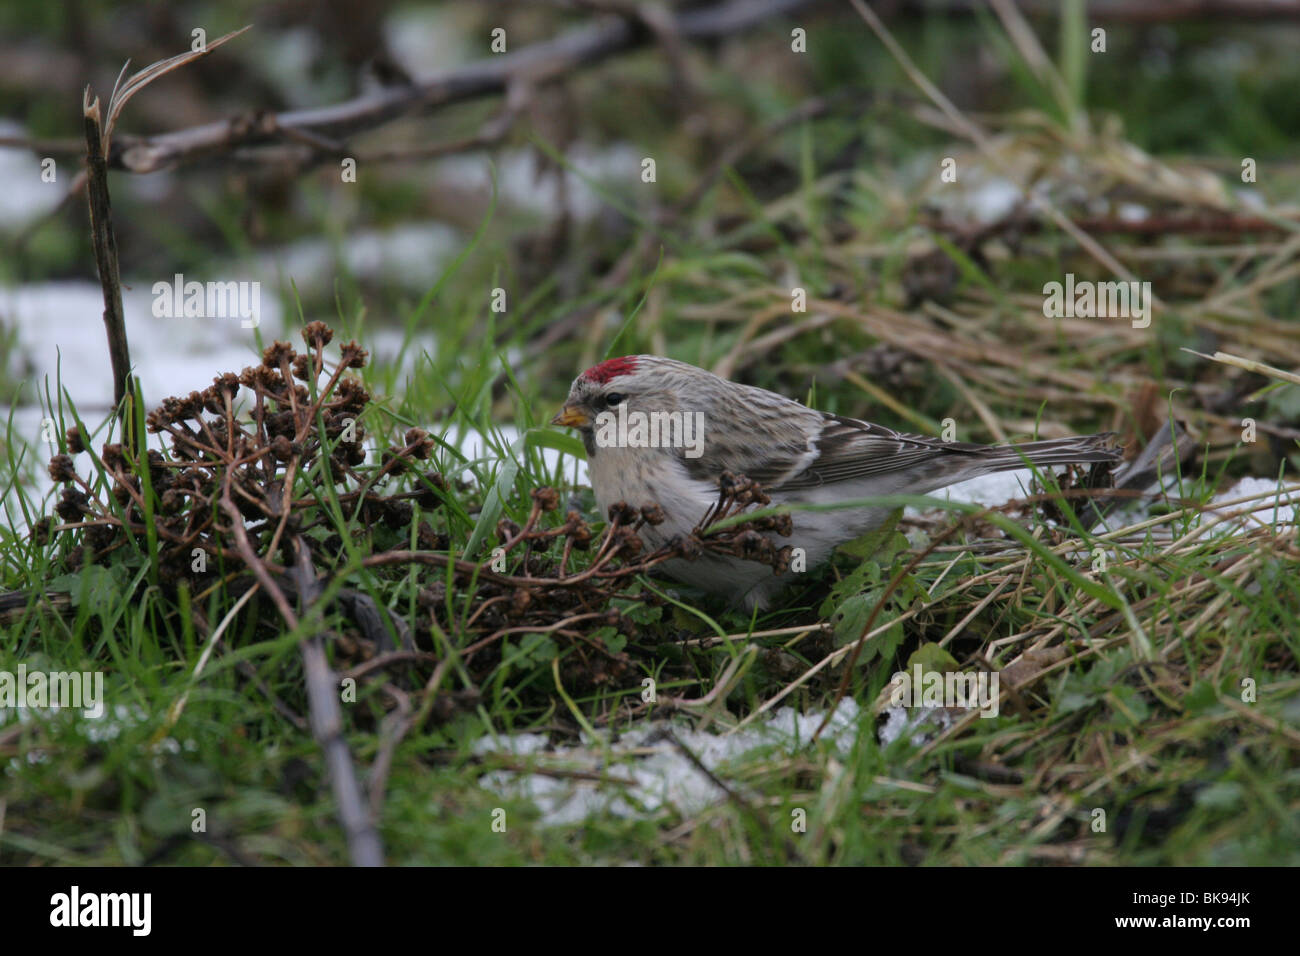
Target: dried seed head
x,y
72,505
577,530
548,499
302,368
99,536
351,395
212,400
260,377
281,448
354,356
75,445
277,352
627,542
62,469
397,514
317,334
425,496
40,532
652,514
226,384
622,512
688,546
421,445
279,423
753,545
191,405
113,458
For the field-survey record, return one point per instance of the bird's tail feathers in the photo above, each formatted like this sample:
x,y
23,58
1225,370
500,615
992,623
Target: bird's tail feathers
x,y
1082,450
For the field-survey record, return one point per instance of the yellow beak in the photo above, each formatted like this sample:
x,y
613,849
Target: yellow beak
x,y
571,417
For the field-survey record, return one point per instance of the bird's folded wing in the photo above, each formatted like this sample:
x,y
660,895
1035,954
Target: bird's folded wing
x,y
851,450
842,449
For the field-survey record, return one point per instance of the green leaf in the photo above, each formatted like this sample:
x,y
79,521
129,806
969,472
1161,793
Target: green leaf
x,y
565,444
932,657
1200,698
538,648
1128,704
876,540
637,611
614,641
865,576
1284,403
850,619
95,586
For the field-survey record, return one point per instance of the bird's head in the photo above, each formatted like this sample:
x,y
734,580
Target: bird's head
x,y
644,383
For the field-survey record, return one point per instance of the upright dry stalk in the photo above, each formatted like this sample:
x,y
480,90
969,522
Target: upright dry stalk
x,y
99,136
110,280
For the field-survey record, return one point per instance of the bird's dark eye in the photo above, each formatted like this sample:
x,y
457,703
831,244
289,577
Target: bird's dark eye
x,y
613,398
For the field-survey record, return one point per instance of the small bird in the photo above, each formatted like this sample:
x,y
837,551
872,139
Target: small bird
x,y
661,431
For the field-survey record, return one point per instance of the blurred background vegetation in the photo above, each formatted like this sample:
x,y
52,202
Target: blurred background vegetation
x,y
570,200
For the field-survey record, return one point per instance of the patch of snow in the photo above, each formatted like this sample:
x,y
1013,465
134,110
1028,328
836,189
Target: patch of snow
x,y
60,328
1279,506
412,256
27,197
426,40
661,776
988,490
922,723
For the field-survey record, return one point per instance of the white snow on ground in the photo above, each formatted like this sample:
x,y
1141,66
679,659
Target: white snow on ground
x,y
996,489
412,256
427,40
922,722
26,198
663,776
60,338
60,328
1280,506
61,322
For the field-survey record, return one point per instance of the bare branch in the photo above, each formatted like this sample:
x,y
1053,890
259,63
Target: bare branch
x,y
580,48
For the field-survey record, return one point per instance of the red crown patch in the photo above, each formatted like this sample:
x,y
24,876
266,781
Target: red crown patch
x,y
611,368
